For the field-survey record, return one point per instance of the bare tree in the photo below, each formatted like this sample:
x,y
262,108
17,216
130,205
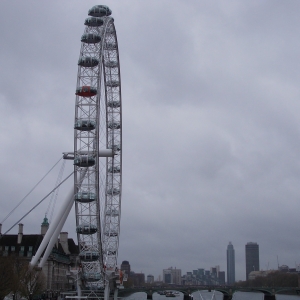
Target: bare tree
x,y
6,276
32,282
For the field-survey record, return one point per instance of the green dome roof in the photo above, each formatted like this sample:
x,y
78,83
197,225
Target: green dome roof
x,y
45,222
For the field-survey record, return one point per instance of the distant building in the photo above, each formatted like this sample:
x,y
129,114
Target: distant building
x,y
221,277
255,274
230,264
214,270
150,278
172,276
138,279
62,257
217,277
283,268
204,277
286,269
252,258
125,266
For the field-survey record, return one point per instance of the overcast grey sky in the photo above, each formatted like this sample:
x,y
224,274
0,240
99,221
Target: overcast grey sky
x,y
211,124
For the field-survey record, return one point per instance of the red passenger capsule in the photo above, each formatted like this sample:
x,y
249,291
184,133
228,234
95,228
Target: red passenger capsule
x,y
86,91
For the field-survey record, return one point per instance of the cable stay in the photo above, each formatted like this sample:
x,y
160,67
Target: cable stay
x,y
22,200
38,204
54,195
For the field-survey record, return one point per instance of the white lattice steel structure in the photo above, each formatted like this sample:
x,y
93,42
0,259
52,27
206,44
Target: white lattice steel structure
x,y
98,149
97,157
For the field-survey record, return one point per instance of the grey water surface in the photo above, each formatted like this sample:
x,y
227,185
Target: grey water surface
x,y
287,297
207,295
248,296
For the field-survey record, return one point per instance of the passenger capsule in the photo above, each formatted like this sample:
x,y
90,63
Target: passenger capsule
x,y
110,30
111,64
112,83
110,46
115,147
85,197
93,22
99,11
113,104
92,276
113,192
88,62
86,91
114,125
90,38
85,125
89,256
111,233
86,229
84,161
112,212
115,169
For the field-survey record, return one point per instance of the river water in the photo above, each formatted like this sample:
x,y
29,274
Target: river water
x,y
213,295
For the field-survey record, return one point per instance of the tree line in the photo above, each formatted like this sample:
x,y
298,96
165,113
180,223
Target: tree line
x,y
273,279
18,279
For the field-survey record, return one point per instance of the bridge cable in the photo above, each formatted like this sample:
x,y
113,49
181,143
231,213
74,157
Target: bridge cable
x,y
30,192
37,204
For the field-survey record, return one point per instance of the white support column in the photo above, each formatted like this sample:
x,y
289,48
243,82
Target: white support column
x,y
57,230
50,231
53,226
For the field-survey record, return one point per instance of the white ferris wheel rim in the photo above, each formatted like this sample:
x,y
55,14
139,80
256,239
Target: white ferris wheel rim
x,y
98,220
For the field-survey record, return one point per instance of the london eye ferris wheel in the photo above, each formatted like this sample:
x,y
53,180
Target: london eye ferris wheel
x,y
97,157
98,147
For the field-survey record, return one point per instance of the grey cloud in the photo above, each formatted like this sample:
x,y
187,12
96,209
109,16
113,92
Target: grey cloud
x,y
210,116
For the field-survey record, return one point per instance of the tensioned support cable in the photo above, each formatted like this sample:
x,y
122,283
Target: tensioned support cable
x,y
55,194
38,203
30,192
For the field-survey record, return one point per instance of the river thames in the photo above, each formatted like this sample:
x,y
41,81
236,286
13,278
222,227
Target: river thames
x,y
213,295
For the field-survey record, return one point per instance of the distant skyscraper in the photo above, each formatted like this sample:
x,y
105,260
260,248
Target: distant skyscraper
x,y
230,265
125,266
252,258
